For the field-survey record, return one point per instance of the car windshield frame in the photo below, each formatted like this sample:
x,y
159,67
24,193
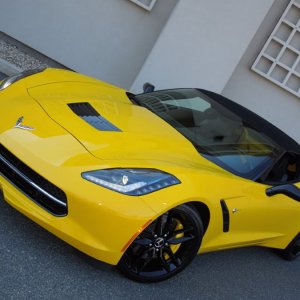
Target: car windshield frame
x,y
218,133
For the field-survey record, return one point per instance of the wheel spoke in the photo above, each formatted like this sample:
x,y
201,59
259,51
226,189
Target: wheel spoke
x,y
145,264
181,240
174,260
159,226
185,230
142,242
168,225
163,261
136,263
173,225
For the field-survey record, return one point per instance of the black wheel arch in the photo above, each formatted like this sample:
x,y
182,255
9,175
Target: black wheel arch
x,y
203,211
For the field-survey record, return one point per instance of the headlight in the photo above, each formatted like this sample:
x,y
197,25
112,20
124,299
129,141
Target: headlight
x,y
134,182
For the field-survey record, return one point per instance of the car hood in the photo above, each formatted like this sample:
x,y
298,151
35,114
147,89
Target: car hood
x,y
133,133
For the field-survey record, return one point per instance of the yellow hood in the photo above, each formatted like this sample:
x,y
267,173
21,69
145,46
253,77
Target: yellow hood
x,y
141,135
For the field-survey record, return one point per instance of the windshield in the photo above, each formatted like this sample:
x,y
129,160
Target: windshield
x,y
217,133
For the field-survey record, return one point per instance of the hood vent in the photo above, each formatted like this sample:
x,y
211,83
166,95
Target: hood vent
x,y
88,113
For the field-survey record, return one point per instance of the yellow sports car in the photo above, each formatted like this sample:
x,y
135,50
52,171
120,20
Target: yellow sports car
x,y
145,181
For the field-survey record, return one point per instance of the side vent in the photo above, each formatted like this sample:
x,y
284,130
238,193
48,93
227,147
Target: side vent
x,y
88,113
226,217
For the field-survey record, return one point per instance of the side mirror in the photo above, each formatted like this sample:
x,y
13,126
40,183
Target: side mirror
x,y
148,87
289,190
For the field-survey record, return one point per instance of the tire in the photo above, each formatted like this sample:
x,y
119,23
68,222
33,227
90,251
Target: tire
x,y
292,251
165,247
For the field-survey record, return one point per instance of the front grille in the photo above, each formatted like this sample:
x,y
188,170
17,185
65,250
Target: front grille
x,y
33,185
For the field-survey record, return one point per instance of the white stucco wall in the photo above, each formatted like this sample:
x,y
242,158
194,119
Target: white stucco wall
x,y
257,93
202,43
108,39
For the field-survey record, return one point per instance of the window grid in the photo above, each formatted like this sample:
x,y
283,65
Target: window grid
x,y
279,60
146,4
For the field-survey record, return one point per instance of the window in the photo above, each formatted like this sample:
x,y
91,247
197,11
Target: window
x,y
279,60
146,4
219,134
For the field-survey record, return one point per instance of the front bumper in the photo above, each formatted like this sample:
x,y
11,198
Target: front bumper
x,y
99,222
34,186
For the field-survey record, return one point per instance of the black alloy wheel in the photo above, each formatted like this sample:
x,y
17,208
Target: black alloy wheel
x,y
165,247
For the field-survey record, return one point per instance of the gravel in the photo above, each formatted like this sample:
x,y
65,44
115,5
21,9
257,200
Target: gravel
x,y
20,57
17,57
2,75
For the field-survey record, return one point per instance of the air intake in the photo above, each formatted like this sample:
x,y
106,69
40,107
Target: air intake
x,y
87,112
33,185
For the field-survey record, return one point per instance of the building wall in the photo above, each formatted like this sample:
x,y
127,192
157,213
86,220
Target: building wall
x,y
258,94
202,43
108,39
210,44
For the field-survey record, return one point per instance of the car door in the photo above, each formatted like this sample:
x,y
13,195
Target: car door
x,y
268,209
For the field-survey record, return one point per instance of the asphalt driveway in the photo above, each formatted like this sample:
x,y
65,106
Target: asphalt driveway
x,y
36,265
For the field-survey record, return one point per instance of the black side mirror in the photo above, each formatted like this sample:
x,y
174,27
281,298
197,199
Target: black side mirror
x,y
289,190
148,87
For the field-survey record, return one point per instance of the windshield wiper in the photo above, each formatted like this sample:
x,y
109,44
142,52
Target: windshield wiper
x,y
201,149
133,99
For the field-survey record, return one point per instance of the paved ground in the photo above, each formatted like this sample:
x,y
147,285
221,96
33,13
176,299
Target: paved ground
x,y
36,265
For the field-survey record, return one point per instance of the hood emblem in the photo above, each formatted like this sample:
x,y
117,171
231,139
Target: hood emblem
x,y
19,124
